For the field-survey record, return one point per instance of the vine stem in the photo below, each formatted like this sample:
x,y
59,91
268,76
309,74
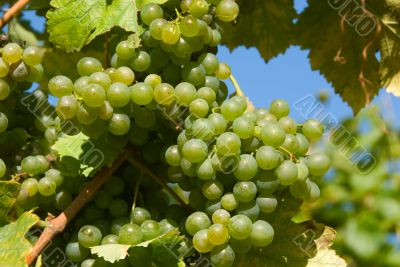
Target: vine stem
x,y
58,224
235,83
137,186
13,11
160,181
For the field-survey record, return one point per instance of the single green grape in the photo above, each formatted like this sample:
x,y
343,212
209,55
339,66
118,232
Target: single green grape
x,y
46,186
67,107
197,221
245,191
318,164
313,129
11,53
60,86
227,10
201,242
93,95
195,150
118,95
89,236
240,227
262,234
88,65
229,202
287,172
130,234
125,50
141,93
119,124
279,108
212,189
217,234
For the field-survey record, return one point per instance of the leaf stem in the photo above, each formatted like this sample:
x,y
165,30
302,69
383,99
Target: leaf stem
x,y
137,186
235,83
160,181
13,11
58,224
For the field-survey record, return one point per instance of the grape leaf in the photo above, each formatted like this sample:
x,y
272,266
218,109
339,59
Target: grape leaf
x,y
390,53
141,3
116,252
72,24
266,25
8,195
14,245
338,54
70,145
20,34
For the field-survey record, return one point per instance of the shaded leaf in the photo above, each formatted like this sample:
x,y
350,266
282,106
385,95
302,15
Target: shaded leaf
x,y
14,245
338,54
20,34
8,195
266,25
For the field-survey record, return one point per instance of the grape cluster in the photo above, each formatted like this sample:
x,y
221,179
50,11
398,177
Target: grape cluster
x,y
233,161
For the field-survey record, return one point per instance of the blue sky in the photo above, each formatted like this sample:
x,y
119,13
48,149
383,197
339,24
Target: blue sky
x,y
287,76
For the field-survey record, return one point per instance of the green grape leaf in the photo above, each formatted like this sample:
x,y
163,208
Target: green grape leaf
x,y
116,252
20,34
73,23
70,145
293,244
266,25
141,3
8,195
14,245
390,53
337,53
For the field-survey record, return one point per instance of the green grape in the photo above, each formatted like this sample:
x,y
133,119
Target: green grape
x,y
185,93
240,246
318,164
153,80
3,168
313,129
262,234
60,86
212,189
167,225
207,94
291,143
198,8
210,63
245,191
4,89
88,263
150,12
150,229
227,10
240,227
173,156
229,202
194,73
67,107
201,242
148,40
222,256
123,75
203,129
137,135
141,93
11,53
32,55
221,216
272,135
118,62
223,71
86,115
125,50
302,170
164,94
30,186
213,83
145,118
243,127
231,110
31,165
199,108
246,168
46,186
89,236
189,26
267,158
119,124
303,144
117,224
4,68
219,123
249,209
109,239
228,143
141,61
75,252
279,108
62,200
88,65
130,234
288,124
205,170
35,73
139,215
106,111
101,79
195,150
19,72
300,189
93,95
196,222
217,234
80,83
314,192
170,33
287,172
118,95
156,28
267,203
